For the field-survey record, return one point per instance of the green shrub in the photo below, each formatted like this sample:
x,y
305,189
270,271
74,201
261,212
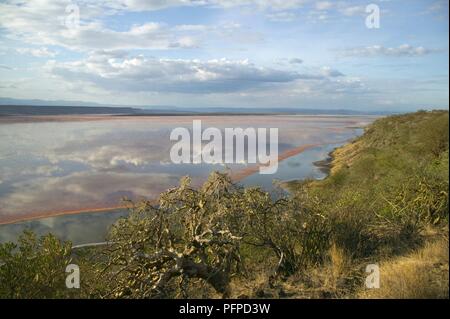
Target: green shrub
x,y
34,268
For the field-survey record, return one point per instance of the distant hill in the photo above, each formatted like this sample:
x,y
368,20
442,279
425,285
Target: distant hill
x,y
282,110
11,107
11,110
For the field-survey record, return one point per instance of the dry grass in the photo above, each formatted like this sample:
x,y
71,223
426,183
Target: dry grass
x,y
336,278
421,274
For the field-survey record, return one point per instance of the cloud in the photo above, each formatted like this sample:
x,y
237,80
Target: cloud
x,y
277,5
295,61
352,10
94,36
440,6
46,22
81,190
42,170
331,73
142,74
439,9
324,5
100,154
2,66
150,5
39,52
325,11
404,50
340,7
49,22
283,16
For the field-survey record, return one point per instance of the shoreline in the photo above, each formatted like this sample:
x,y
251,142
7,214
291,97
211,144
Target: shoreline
x,y
325,165
15,119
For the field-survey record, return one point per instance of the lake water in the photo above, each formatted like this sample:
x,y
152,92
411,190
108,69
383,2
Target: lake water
x,y
48,168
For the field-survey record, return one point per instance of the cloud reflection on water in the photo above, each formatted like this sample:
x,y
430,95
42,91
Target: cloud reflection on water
x,y
50,167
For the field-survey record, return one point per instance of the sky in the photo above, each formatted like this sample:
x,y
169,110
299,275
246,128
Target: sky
x,y
230,53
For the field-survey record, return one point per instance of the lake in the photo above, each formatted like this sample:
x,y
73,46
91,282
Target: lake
x,y
68,176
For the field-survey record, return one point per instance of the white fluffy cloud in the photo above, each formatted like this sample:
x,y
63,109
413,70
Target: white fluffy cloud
x,y
160,4
116,71
95,36
45,22
379,50
330,72
324,5
37,52
341,7
146,36
55,22
281,16
352,10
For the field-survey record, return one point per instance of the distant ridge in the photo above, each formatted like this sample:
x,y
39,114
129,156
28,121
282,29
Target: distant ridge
x,y
16,107
36,110
21,110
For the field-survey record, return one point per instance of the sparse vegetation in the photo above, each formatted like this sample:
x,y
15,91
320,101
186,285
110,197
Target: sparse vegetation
x,y
422,273
34,268
385,202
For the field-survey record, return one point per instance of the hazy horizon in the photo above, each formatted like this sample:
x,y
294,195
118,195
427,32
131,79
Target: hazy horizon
x,y
145,107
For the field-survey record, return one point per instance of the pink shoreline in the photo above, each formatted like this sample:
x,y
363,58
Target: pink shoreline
x,y
13,119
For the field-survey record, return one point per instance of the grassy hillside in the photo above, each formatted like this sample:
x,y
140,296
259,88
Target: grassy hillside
x,y
387,196
385,202
397,172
